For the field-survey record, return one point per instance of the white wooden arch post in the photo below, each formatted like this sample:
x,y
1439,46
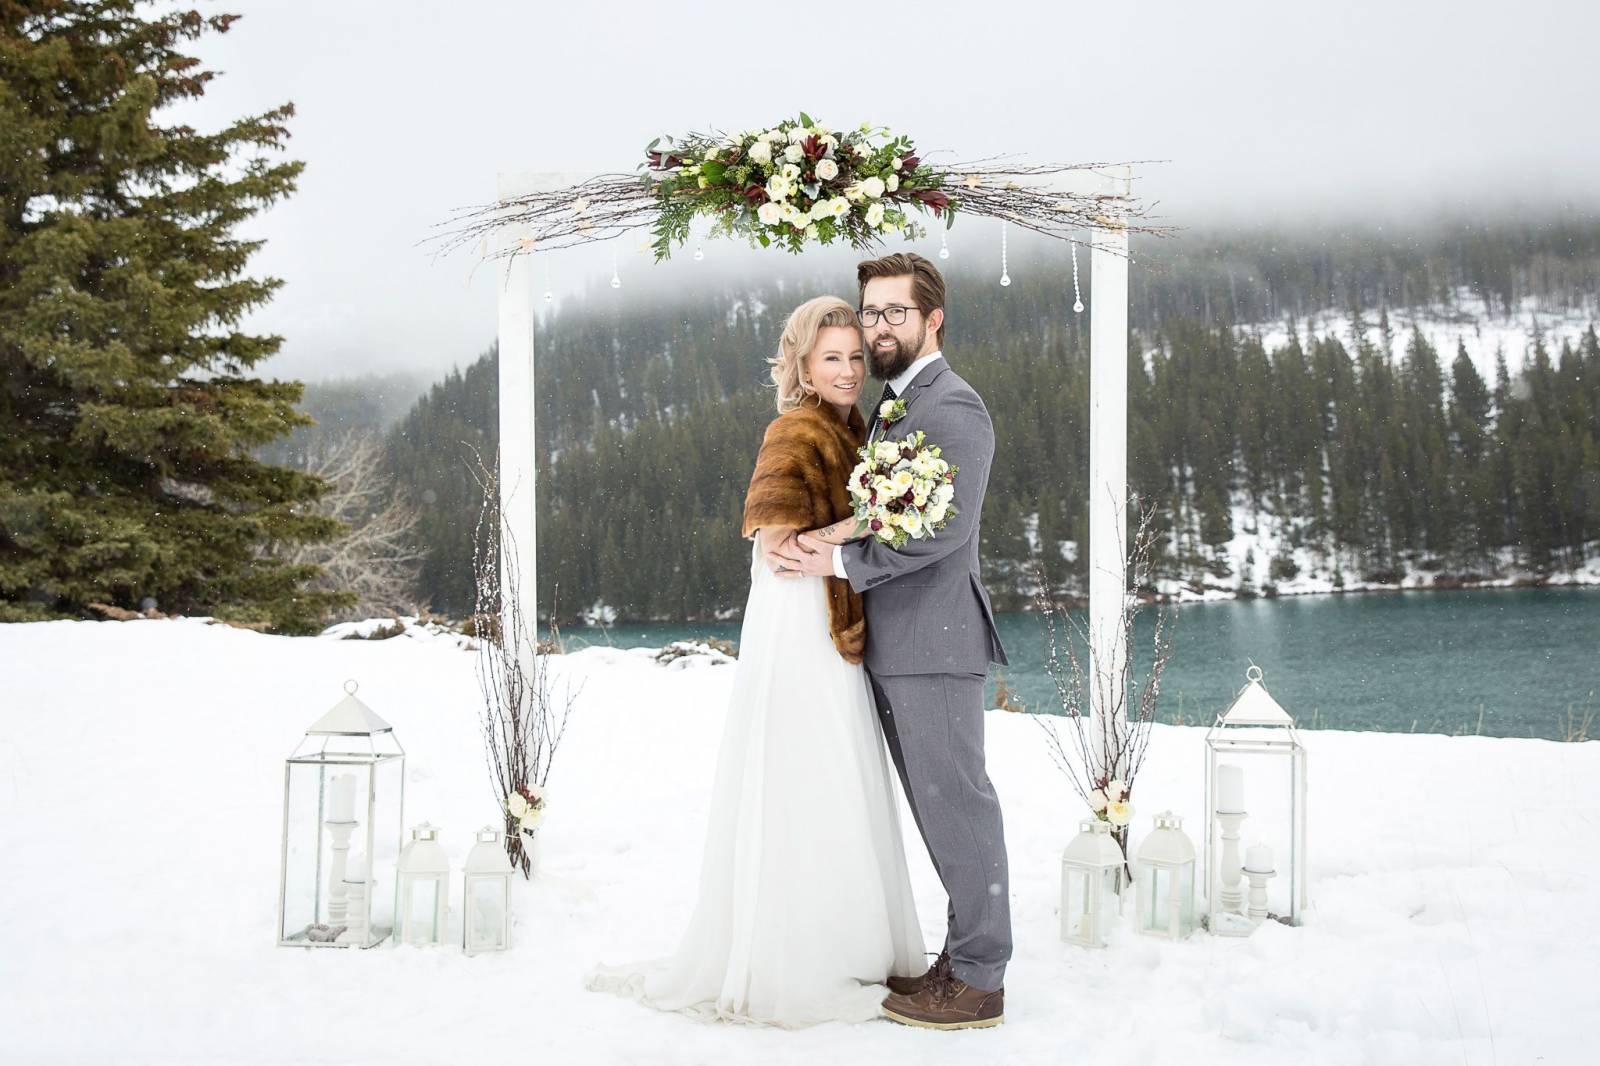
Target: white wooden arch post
x,y
1108,419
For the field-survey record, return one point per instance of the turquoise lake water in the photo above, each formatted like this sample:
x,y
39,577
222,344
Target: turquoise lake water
x,y
1503,662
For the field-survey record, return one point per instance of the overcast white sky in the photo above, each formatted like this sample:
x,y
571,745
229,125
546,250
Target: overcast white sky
x,y
408,109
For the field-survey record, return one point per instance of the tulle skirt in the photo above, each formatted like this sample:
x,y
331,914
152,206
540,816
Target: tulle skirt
x,y
805,905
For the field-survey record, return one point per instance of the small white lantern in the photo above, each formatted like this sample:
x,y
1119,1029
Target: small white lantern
x,y
1165,875
1091,868
344,783
423,903
1257,735
486,895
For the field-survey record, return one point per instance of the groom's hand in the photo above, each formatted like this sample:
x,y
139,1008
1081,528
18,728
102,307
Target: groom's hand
x,y
783,558
810,558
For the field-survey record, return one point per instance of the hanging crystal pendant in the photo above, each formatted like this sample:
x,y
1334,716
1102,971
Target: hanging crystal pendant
x,y
1005,276
616,281
1077,295
699,252
944,246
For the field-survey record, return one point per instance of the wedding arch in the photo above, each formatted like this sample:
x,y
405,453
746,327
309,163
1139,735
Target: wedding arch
x,y
540,211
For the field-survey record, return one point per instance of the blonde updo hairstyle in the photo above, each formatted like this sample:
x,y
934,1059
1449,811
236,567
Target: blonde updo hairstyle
x,y
800,332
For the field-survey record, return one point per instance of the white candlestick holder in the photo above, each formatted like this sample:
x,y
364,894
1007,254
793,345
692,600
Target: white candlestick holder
x,y
337,906
1231,896
1257,912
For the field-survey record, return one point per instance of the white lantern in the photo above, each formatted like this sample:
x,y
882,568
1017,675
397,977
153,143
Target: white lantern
x,y
344,783
423,903
486,895
1091,868
1254,741
1165,876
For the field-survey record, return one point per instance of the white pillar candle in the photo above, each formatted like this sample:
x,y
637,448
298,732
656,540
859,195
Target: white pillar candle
x,y
342,799
355,871
1258,858
1230,787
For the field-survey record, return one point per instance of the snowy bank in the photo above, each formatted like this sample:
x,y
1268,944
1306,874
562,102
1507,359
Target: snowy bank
x,y
141,773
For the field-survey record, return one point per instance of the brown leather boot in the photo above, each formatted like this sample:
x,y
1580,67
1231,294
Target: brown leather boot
x,y
947,1002
910,986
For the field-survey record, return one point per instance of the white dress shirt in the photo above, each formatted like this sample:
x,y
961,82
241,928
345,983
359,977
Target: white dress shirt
x,y
899,383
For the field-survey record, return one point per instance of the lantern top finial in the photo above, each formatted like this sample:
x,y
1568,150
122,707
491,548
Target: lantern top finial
x,y
349,718
1254,705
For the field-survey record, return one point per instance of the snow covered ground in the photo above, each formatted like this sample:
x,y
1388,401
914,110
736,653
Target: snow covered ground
x,y
1453,880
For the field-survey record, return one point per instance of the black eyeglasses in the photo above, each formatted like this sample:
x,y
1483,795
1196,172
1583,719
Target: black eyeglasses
x,y
894,314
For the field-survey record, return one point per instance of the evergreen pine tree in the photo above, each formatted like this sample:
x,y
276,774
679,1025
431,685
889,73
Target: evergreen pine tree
x,y
127,411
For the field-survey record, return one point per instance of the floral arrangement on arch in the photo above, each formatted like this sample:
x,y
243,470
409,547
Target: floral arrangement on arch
x,y
797,183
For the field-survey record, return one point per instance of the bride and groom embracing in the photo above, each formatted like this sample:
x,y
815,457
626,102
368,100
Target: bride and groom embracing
x,y
850,646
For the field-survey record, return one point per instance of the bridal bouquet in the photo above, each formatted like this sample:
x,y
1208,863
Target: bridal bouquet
x,y
902,490
795,184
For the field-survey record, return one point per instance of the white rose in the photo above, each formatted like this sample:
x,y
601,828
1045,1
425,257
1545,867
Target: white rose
x,y
516,804
1097,800
895,163
798,134
944,493
888,451
874,214
811,231
530,818
761,152
911,522
854,191
794,153
777,187
839,206
820,209
1119,812
892,183
1115,788
902,480
937,513
770,214
774,135
827,169
885,409
873,187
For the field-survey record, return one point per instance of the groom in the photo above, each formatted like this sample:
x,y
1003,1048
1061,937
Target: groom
x,y
930,640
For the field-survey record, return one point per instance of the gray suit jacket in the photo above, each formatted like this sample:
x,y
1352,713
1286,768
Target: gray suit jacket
x,y
927,611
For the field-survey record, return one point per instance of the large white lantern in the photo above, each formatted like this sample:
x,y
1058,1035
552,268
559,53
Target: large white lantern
x,y
344,784
1165,876
1255,775
486,895
423,904
1091,868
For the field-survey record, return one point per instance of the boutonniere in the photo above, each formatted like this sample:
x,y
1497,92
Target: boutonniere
x,y
891,411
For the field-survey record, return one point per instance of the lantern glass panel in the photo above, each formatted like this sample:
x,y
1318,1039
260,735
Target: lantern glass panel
x,y
421,903
1166,900
337,806
1091,903
486,913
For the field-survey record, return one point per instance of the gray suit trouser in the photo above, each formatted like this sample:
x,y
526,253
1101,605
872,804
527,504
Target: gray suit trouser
x,y
933,724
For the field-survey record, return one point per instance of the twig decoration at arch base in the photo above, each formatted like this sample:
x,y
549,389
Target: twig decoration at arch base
x,y
792,186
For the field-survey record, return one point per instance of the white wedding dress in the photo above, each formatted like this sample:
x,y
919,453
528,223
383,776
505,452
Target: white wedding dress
x,y
804,905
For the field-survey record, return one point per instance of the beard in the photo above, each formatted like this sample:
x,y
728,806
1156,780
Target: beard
x,y
891,363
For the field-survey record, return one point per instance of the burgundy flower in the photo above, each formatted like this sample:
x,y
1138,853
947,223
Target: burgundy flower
x,y
663,161
756,194
909,163
876,525
933,198
813,147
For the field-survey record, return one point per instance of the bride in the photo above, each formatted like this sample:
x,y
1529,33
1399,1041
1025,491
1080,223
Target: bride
x,y
804,906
